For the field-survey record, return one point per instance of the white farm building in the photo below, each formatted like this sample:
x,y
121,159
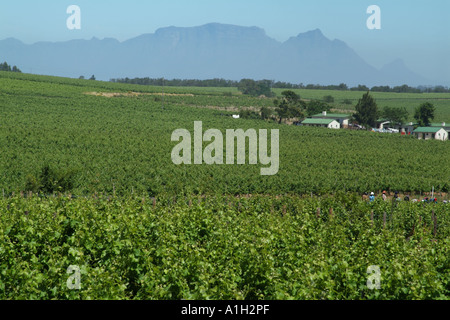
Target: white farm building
x,y
326,123
427,133
342,118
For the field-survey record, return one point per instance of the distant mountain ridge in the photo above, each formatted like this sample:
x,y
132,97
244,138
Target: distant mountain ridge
x,y
210,51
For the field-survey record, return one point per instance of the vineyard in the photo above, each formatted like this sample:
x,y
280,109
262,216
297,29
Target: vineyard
x,y
258,247
122,145
87,180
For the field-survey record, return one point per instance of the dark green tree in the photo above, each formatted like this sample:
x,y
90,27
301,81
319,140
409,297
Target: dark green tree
x,y
289,106
265,113
347,101
342,86
281,108
328,99
255,88
6,67
360,87
265,88
316,106
395,115
424,114
248,114
247,86
381,89
366,111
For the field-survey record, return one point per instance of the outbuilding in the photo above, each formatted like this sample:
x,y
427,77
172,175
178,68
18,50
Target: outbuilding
x,y
326,123
427,133
342,118
406,128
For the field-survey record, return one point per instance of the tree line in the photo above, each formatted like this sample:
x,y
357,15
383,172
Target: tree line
x,y
178,82
6,67
219,82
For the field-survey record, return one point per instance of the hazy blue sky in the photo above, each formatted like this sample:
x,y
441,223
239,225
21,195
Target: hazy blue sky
x,y
418,31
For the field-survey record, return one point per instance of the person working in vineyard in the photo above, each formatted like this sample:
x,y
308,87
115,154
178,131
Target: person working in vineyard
x,y
384,196
372,197
396,197
365,196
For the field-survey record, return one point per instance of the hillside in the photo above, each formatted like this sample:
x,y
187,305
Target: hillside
x,y
123,144
116,219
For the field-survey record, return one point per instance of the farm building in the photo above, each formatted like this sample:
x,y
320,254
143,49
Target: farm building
x,y
445,126
428,133
342,118
406,128
326,123
384,124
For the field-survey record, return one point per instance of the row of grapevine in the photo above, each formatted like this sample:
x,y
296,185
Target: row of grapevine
x,y
223,247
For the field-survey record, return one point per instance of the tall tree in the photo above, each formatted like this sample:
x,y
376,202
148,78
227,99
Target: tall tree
x,y
424,114
366,111
291,97
5,67
289,106
247,86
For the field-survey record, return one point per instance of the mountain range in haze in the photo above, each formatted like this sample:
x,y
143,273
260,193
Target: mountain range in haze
x,y
210,51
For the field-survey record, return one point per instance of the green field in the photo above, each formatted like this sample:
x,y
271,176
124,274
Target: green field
x,y
141,227
123,145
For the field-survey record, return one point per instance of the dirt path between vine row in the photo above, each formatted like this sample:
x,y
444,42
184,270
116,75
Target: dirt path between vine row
x,y
135,94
